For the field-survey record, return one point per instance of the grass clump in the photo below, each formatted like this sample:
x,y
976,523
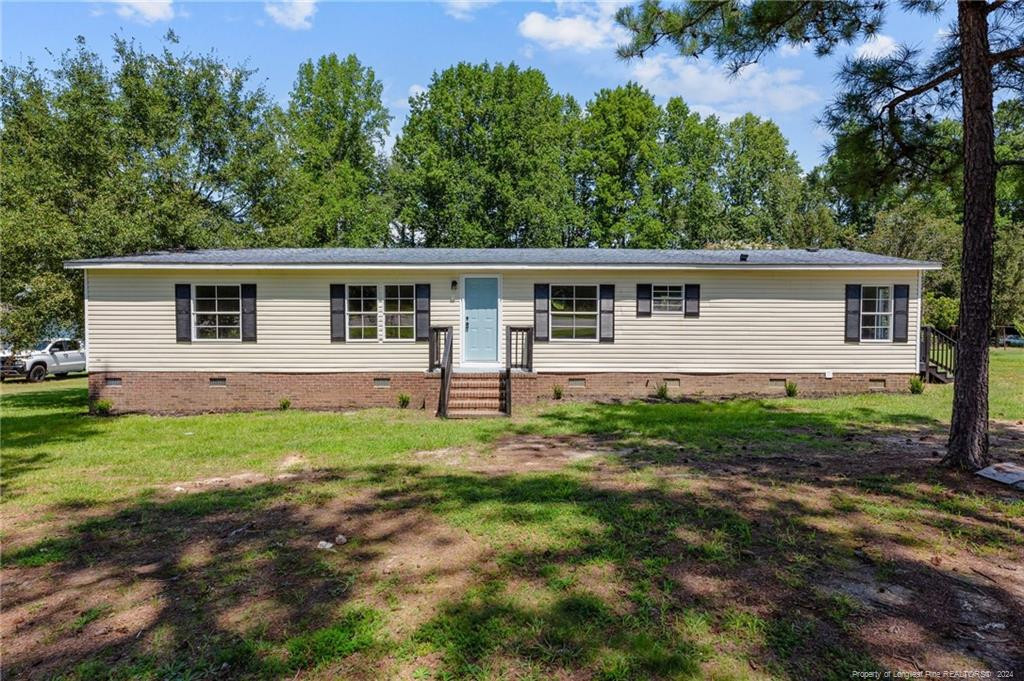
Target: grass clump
x,y
791,390
662,392
44,553
916,385
403,400
285,404
357,630
87,618
557,392
102,407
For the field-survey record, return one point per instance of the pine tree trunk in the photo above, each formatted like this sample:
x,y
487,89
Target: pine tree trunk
x,y
968,435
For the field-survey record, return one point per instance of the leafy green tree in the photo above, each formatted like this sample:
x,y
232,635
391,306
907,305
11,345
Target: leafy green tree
x,y
887,114
167,151
814,224
689,204
336,125
918,228
940,311
620,161
760,182
481,159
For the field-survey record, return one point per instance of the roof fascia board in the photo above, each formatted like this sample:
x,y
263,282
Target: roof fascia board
x,y
355,266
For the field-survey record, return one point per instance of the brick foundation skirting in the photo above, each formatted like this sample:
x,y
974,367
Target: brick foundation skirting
x,y
176,392
188,392
604,385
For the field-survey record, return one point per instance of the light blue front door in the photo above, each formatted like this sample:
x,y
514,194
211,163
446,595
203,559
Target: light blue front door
x,y
481,323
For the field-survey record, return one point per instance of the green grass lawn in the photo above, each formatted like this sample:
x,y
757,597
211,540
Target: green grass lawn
x,y
688,539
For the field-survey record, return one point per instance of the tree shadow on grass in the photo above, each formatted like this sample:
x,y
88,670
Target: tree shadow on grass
x,y
63,398
591,577
34,419
770,583
220,583
593,573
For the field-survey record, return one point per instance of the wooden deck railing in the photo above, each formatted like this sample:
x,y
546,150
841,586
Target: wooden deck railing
x,y
519,347
440,350
938,352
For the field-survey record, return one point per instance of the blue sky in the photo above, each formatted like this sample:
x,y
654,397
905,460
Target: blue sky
x,y
572,43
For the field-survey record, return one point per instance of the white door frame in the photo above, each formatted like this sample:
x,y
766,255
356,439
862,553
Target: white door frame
x,y
496,364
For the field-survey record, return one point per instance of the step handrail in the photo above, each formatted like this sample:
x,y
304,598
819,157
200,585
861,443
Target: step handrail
x,y
938,351
446,372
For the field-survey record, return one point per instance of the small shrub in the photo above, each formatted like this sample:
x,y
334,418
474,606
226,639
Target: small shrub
x,y
916,385
791,390
662,392
557,391
403,400
102,407
284,404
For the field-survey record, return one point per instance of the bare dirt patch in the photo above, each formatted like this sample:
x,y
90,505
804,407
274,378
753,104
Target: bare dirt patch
x,y
514,454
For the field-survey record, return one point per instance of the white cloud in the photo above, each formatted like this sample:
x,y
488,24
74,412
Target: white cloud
x,y
722,116
296,15
403,102
145,11
463,9
876,47
789,50
754,88
576,26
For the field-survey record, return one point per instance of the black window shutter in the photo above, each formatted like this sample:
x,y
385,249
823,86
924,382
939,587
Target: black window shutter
x,y
643,300
183,312
248,313
692,302
900,309
337,313
541,293
422,312
853,313
606,332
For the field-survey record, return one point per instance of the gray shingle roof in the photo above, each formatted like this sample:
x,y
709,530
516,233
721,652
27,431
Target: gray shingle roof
x,y
538,257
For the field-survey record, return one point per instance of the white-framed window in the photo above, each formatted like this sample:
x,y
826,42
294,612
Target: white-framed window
x,y
372,307
399,312
573,312
876,313
361,308
667,298
217,312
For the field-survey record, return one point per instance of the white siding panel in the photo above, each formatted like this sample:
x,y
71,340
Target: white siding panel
x,y
131,323
749,322
759,321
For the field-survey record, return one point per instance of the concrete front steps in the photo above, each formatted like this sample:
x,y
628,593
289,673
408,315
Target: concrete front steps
x,y
476,395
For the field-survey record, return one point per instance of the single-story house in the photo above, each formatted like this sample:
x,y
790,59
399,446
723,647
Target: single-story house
x,y
477,330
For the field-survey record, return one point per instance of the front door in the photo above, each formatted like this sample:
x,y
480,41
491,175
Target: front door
x,y
481,323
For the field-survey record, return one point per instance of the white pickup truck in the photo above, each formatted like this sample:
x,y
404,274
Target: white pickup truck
x,y
58,356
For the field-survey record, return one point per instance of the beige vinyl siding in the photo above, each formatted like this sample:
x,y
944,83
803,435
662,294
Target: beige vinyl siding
x,y
757,321
132,324
762,321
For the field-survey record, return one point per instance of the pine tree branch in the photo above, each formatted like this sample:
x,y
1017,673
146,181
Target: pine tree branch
x,y
1010,162
993,59
994,5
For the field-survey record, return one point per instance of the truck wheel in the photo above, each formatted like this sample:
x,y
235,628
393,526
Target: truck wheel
x,y
37,373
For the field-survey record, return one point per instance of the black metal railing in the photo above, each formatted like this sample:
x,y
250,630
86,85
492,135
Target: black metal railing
x,y
505,389
444,362
435,346
938,351
519,347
